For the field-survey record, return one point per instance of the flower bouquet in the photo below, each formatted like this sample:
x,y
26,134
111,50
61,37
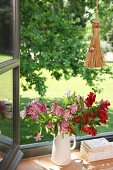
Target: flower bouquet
x,y
72,115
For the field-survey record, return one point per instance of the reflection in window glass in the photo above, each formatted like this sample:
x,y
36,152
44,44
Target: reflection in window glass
x,y
6,111
5,31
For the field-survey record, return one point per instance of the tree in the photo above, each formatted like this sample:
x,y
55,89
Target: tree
x,y
53,38
107,15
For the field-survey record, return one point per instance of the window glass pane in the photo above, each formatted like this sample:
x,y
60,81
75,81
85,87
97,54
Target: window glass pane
x,y
5,30
6,111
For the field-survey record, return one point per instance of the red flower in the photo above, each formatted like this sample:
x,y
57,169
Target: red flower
x,y
85,115
93,115
84,120
103,116
70,129
90,99
76,119
104,104
89,130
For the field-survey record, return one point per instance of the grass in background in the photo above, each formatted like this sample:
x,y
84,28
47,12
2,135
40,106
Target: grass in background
x,y
59,88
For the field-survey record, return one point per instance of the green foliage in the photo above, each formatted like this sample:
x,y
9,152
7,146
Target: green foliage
x,y
53,37
107,15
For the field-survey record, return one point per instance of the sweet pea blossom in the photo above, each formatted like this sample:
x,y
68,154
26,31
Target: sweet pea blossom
x,y
39,107
67,114
31,111
73,108
38,137
34,108
49,124
64,126
34,117
57,110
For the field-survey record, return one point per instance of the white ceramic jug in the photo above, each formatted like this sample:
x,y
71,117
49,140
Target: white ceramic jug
x,y
61,150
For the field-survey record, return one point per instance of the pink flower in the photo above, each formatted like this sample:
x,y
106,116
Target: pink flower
x,y
54,106
38,137
43,107
39,107
31,111
57,110
73,108
67,114
34,117
49,125
34,108
64,126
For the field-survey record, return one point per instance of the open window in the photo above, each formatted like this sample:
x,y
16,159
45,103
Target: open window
x,y
10,153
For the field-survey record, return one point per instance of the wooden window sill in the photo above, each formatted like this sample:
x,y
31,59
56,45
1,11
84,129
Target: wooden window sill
x,y
44,163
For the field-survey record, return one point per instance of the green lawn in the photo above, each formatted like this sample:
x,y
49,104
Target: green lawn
x,y
59,88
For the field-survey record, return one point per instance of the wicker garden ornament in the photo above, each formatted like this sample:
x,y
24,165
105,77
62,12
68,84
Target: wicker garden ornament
x,y
95,57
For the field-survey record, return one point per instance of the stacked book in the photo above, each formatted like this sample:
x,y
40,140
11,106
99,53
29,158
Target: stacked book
x,y
96,149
